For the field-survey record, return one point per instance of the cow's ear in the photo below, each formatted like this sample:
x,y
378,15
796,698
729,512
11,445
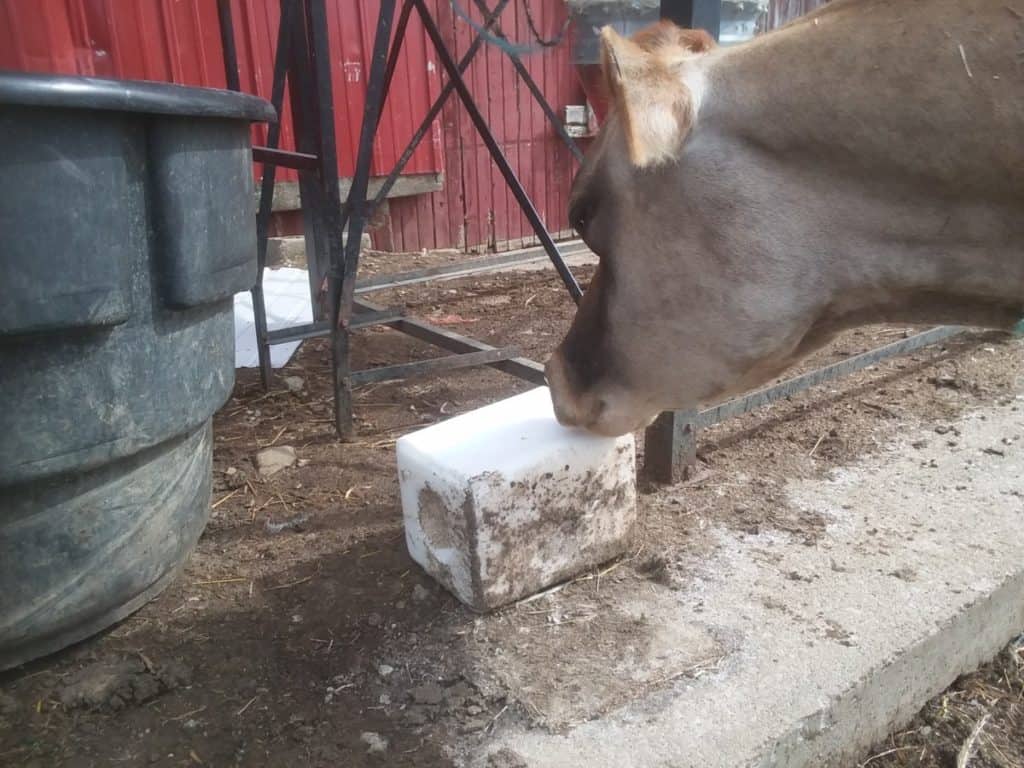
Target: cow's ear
x,y
649,90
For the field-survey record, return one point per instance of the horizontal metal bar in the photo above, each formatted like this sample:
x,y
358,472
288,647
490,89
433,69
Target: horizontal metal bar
x,y
755,400
298,332
386,316
323,327
435,365
463,268
302,161
520,367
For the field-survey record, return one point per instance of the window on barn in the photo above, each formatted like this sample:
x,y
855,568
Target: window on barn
x,y
742,20
781,12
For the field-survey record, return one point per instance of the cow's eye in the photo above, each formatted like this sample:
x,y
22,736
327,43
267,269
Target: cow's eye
x,y
578,218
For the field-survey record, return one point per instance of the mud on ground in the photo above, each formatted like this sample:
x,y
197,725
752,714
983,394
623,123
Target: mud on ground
x,y
300,633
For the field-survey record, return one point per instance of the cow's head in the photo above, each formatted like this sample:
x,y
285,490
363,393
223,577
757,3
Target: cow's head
x,y
658,325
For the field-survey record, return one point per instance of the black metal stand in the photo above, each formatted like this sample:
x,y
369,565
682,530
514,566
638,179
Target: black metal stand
x,y
342,278
333,231
694,14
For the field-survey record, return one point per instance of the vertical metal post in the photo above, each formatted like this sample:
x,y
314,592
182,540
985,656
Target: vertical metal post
x,y
305,110
259,305
670,443
342,274
326,150
227,41
670,447
331,245
694,14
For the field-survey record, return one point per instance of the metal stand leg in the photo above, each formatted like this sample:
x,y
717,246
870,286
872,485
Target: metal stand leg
x,y
670,447
259,307
306,92
694,14
342,277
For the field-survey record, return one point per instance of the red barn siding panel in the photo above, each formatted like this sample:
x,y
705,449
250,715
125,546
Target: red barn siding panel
x,y
179,41
475,210
28,45
457,126
533,148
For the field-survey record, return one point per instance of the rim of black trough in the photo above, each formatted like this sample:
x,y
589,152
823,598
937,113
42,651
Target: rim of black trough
x,y
143,96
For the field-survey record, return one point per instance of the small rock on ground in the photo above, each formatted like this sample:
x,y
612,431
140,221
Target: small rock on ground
x,y
272,460
419,593
234,478
374,742
294,383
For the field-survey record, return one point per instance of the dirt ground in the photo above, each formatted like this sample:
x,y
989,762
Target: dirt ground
x,y
980,716
300,632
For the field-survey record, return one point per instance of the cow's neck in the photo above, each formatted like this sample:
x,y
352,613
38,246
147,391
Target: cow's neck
x,y
918,219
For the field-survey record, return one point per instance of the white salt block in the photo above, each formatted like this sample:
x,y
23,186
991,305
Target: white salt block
x,y
501,502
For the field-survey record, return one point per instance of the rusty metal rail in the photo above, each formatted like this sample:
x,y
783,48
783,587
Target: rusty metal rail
x,y
671,442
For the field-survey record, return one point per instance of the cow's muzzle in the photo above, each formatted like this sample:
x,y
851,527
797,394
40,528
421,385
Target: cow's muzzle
x,y
571,409
596,410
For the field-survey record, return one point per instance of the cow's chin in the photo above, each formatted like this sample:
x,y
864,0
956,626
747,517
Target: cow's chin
x,y
612,423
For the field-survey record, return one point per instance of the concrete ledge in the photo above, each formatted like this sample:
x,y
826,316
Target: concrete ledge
x,y
824,649
286,193
290,250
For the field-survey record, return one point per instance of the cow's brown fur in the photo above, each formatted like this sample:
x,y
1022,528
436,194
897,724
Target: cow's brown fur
x,y
664,35
863,164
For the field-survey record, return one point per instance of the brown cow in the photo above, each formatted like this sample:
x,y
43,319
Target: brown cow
x,y
863,164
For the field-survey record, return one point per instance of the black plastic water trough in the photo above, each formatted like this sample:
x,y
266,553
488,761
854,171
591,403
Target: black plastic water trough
x,y
127,223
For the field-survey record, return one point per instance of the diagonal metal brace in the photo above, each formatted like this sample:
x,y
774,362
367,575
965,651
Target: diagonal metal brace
x,y
435,109
527,78
496,154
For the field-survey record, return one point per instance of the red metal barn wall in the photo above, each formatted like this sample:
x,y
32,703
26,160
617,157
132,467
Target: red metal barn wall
x,y
179,41
476,210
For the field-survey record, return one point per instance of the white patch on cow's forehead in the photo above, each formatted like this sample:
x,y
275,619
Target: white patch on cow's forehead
x,y
695,79
658,123
660,129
